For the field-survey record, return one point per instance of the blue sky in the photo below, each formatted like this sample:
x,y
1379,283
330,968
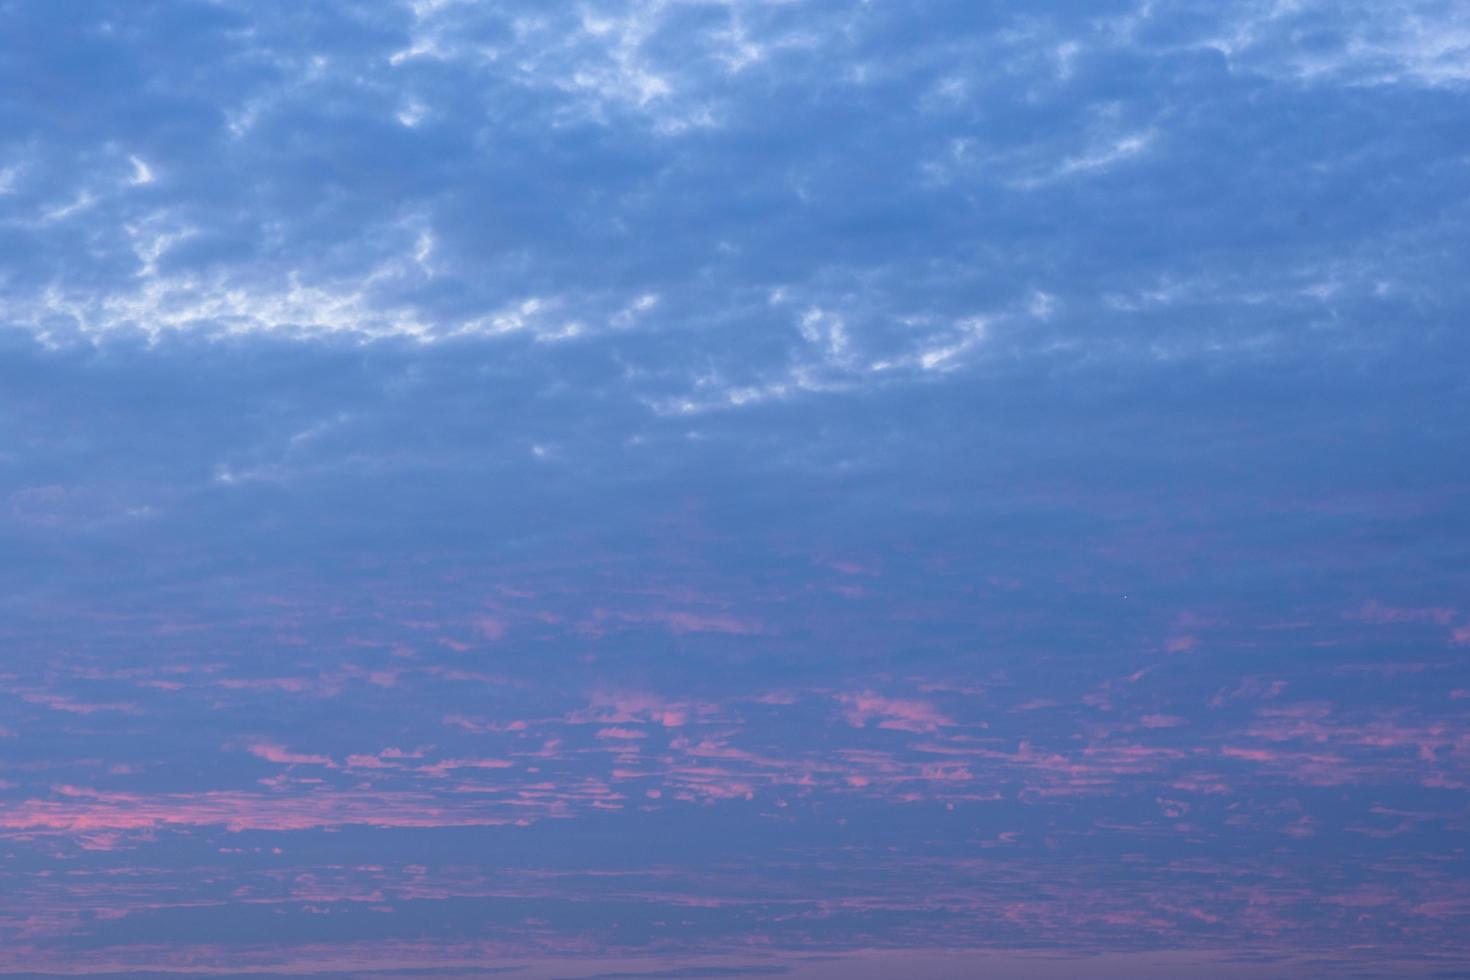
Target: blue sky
x,y
734,488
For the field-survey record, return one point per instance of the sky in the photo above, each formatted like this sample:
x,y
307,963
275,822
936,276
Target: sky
x,y
734,488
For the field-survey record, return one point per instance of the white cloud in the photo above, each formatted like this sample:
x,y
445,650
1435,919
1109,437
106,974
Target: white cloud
x,y
1112,153
1420,42
142,173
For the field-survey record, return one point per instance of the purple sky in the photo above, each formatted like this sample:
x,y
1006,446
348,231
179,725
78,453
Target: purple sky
x,y
734,488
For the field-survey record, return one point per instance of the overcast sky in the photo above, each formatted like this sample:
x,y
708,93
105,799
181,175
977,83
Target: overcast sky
x,y
703,488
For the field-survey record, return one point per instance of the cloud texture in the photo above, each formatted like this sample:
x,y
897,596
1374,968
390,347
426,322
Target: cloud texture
x,y
734,487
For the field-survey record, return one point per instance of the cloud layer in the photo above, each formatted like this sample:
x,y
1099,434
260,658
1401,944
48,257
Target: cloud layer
x,y
734,487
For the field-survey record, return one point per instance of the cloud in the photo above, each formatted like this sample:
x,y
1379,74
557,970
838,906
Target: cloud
x,y
896,713
643,478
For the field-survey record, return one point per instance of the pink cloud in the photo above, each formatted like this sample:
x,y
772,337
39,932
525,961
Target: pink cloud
x,y
620,734
892,713
482,726
1203,783
675,621
392,753
271,752
293,685
1373,611
449,765
687,622
82,810
489,628
946,772
622,708
852,568
60,702
1038,704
